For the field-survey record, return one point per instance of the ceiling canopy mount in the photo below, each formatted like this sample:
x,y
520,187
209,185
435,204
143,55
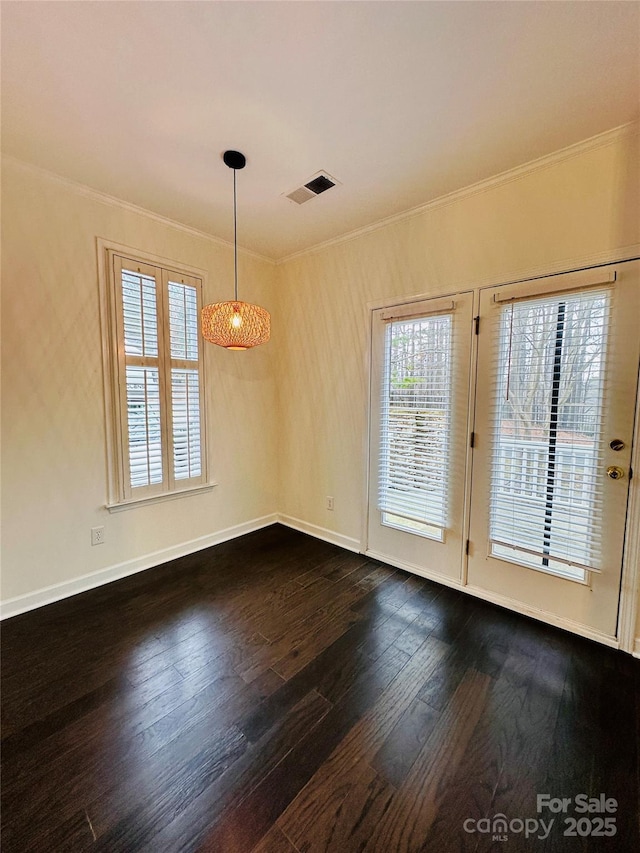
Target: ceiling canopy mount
x,y
234,159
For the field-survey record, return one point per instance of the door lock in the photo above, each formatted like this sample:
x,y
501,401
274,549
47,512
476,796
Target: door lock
x,y
615,473
616,444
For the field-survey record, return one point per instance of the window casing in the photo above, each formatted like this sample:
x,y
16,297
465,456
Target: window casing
x,y
156,379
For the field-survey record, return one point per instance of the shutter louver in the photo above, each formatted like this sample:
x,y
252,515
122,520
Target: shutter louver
x,y
415,424
546,485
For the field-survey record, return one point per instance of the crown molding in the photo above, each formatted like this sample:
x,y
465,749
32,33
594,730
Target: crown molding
x,y
113,201
608,137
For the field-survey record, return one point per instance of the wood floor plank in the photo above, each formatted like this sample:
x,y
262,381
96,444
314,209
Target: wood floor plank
x,y
308,649
115,718
275,841
350,815
329,661
348,624
470,791
611,774
123,819
266,656
406,822
73,835
516,791
190,828
240,829
144,750
341,567
397,754
304,632
574,744
360,744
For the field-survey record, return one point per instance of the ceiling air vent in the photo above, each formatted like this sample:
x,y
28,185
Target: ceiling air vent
x,y
317,184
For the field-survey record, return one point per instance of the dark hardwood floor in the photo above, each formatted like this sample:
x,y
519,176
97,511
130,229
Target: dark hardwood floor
x,y
277,694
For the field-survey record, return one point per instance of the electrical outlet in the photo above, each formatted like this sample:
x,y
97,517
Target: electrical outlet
x,y
329,502
97,535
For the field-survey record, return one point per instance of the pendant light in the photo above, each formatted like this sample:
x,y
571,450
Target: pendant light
x,y
235,325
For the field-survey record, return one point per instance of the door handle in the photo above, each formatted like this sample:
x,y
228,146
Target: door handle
x,y
615,473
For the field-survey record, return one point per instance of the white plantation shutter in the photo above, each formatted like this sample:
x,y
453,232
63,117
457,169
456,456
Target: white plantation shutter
x,y
140,313
144,430
159,384
183,320
185,384
547,483
415,423
186,423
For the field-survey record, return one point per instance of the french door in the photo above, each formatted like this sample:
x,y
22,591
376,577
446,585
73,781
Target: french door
x,y
534,515
421,361
557,374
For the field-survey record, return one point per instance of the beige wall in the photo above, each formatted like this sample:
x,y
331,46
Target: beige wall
x,y
53,421
274,445
576,209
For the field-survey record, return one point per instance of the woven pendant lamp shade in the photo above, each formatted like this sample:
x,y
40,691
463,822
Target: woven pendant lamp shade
x,y
235,325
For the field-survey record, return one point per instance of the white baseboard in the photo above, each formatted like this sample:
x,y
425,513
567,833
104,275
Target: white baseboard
x,y
320,533
508,603
49,594
56,592
544,616
445,580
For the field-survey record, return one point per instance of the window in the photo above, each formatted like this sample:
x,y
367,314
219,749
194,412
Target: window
x,y
415,425
156,379
547,489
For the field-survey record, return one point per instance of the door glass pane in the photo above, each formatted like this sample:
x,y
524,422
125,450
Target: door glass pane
x,y
546,485
415,425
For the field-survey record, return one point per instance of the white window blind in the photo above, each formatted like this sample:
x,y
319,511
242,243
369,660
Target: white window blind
x,y
547,462
158,379
415,421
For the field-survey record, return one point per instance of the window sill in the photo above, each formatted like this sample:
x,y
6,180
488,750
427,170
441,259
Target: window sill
x,y
120,506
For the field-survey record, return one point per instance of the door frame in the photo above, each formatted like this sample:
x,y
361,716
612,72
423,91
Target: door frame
x,y
628,606
630,588
459,297
371,308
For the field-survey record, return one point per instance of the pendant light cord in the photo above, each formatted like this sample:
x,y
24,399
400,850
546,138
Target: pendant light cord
x,y
235,235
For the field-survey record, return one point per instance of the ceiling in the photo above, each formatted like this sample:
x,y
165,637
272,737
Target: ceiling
x,y
400,101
